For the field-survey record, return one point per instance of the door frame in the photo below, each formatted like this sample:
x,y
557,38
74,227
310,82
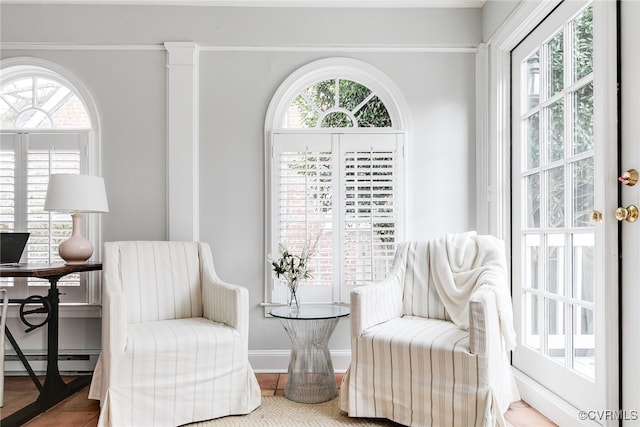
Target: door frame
x,y
494,172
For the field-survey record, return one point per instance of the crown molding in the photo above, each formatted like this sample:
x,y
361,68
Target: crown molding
x,y
267,3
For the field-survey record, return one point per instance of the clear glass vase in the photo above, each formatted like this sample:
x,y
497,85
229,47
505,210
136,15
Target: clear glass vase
x,y
292,300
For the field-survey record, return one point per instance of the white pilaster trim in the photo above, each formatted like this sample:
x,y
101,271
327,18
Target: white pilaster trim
x,y
182,141
483,186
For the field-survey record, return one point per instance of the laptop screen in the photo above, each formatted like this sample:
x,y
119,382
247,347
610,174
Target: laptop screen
x,y
11,247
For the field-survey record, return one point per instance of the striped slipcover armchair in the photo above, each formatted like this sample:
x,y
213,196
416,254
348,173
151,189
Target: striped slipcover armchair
x,y
429,344
174,338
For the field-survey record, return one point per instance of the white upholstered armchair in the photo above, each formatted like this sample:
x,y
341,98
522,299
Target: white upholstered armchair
x,y
174,338
429,344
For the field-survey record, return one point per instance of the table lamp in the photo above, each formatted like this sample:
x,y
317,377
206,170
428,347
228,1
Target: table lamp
x,y
75,194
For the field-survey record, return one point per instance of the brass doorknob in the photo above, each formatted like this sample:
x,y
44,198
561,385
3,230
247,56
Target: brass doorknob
x,y
595,216
629,214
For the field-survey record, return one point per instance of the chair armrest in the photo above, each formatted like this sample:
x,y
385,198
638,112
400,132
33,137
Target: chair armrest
x,y
375,303
114,309
223,302
485,336
226,303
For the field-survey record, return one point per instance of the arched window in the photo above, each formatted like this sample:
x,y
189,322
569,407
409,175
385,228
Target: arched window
x,y
334,165
45,128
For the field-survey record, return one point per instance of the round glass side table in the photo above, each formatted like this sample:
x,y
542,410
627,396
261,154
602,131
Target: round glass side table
x,y
310,377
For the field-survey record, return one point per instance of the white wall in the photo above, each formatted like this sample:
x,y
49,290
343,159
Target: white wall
x,y
494,13
116,51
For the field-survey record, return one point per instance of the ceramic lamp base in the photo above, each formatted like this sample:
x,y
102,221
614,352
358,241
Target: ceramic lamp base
x,y
76,249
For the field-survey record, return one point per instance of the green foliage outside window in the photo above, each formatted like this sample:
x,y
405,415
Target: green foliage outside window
x,y
335,103
558,120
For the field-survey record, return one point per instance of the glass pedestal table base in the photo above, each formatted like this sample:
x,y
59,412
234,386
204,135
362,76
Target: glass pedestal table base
x,y
310,377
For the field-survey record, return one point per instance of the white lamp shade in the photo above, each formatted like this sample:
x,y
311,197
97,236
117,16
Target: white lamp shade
x,y
76,193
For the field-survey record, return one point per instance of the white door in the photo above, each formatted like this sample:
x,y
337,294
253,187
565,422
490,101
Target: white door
x,y
630,195
561,268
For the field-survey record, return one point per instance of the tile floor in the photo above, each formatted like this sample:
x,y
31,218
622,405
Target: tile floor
x,y
79,411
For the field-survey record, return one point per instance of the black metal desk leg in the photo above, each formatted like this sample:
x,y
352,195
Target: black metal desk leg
x,y
22,358
55,390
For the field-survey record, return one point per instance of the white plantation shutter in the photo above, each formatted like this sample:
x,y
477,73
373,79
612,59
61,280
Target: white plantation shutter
x,y
302,207
24,186
342,192
371,203
7,184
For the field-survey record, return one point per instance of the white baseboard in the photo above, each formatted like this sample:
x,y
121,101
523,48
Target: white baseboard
x,y
548,403
70,362
84,361
269,361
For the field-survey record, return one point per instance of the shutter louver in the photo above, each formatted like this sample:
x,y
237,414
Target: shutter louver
x,y
48,229
7,189
305,208
7,196
369,215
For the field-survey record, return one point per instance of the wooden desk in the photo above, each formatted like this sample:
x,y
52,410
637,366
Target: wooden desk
x,y
54,389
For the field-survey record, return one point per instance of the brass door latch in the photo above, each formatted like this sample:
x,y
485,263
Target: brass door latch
x,y
629,214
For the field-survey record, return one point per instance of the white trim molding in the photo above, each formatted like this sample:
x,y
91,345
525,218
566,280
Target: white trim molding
x,y
548,404
271,3
355,48
182,141
270,361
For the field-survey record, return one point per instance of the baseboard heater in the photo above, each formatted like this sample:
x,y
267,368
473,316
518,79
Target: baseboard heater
x,y
69,363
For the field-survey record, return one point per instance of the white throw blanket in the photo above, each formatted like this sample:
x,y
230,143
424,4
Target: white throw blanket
x,y
460,263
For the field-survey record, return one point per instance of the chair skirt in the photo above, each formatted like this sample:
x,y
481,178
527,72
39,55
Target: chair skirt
x,y
420,372
175,372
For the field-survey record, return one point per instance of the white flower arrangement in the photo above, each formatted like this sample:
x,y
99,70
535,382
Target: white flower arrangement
x,y
293,268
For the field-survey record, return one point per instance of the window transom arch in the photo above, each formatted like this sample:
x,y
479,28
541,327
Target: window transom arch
x,y
334,166
34,97
337,87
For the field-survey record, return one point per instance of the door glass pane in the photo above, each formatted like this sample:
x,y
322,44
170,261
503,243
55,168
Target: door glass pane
x,y
555,131
532,211
531,321
555,330
533,141
531,262
583,44
584,341
555,197
555,55
533,80
582,267
555,263
583,119
583,191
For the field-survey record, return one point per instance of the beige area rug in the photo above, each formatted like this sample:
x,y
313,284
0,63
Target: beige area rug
x,y
282,412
